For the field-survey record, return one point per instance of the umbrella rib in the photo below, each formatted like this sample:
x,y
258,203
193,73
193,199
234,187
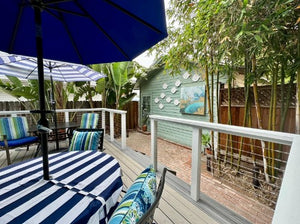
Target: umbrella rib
x,y
61,74
16,28
103,31
31,72
56,1
68,32
64,11
133,16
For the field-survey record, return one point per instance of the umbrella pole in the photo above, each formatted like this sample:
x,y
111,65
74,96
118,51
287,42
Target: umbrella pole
x,y
43,121
54,115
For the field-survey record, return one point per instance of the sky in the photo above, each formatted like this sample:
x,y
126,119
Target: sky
x,y
145,60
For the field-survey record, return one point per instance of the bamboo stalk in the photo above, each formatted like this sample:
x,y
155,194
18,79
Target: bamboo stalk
x,y
259,119
229,121
273,124
251,140
246,114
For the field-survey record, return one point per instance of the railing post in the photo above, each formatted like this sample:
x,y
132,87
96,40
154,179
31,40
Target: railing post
x,y
111,124
286,210
103,121
196,163
123,130
67,119
154,143
67,116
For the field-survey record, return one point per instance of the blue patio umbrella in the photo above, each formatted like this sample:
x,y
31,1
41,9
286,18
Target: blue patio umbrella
x,y
79,31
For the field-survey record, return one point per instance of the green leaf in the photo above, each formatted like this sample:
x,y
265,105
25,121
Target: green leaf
x,y
17,82
258,38
119,73
100,85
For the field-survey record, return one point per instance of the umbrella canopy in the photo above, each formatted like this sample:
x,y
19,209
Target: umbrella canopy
x,y
79,31
26,68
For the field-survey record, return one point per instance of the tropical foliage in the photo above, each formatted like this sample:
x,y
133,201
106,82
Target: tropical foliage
x,y
20,91
221,36
117,87
28,94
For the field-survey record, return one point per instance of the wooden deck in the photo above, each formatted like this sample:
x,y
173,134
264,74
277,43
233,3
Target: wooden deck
x,y
175,205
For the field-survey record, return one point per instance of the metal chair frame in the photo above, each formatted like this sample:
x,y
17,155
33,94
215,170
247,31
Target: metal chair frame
x,y
148,216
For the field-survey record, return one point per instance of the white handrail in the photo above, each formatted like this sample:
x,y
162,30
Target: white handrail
x,y
265,135
103,110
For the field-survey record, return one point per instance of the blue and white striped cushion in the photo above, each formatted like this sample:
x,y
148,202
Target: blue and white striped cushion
x,y
13,128
89,120
84,140
137,199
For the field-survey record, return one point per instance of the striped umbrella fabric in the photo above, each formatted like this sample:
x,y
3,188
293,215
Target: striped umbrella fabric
x,y
25,67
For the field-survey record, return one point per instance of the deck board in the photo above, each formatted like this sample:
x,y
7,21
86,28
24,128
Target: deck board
x,y
174,207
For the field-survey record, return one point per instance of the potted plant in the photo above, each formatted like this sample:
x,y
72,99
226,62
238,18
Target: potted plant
x,y
206,143
208,150
144,123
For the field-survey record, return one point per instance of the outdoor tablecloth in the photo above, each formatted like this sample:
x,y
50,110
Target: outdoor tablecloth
x,y
84,187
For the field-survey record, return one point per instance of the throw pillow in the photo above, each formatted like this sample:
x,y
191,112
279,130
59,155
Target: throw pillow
x,y
84,140
137,199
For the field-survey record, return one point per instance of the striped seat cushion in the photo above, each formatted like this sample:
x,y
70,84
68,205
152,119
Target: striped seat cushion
x,y
89,120
85,140
137,199
13,128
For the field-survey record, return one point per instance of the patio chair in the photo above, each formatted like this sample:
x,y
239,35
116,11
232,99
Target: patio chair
x,y
87,139
148,216
89,120
141,199
14,133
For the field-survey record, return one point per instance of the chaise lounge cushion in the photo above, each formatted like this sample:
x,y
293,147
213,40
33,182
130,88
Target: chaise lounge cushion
x,y
137,199
84,140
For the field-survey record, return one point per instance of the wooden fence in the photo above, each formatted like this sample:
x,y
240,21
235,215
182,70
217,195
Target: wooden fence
x,y
264,92
237,118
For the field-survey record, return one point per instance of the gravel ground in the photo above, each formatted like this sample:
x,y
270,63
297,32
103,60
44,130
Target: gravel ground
x,y
178,158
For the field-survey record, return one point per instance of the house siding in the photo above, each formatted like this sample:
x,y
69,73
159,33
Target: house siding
x,y
153,87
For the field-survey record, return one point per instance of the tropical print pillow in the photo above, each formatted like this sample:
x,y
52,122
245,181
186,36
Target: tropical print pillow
x,y
137,199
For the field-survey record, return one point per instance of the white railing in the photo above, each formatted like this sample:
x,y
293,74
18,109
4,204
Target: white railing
x,y
102,110
291,181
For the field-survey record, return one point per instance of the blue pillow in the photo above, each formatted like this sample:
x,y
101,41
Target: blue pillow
x,y
137,199
84,140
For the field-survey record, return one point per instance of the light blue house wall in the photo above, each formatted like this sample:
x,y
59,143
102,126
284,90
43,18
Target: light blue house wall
x,y
164,92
